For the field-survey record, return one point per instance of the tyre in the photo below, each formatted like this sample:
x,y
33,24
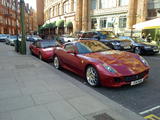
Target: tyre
x,y
56,62
40,56
137,50
92,76
31,52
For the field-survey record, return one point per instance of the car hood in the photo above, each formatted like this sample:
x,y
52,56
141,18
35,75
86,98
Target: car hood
x,y
123,62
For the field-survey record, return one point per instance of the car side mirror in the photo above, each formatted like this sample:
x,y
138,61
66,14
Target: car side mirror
x,y
72,51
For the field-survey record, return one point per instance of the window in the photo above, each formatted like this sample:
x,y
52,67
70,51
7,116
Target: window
x,y
122,22
107,3
66,7
153,8
103,22
93,4
123,2
110,22
93,23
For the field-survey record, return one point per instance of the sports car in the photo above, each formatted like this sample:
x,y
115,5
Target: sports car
x,y
43,49
101,65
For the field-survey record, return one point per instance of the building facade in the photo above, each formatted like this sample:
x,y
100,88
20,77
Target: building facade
x,y
40,12
8,20
116,15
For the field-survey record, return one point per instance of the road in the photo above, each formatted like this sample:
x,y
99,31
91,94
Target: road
x,y
143,99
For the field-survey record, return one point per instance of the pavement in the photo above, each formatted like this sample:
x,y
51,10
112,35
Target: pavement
x,y
31,89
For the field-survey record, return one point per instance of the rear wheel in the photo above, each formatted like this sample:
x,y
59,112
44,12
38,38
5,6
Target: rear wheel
x,y
56,62
31,51
92,76
138,50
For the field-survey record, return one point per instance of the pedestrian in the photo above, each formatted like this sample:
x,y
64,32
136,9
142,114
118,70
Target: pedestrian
x,y
149,38
143,35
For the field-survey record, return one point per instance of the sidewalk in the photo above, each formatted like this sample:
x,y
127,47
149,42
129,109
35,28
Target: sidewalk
x,y
33,90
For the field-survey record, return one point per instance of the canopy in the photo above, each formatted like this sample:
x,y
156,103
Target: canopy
x,y
60,23
68,24
48,25
150,24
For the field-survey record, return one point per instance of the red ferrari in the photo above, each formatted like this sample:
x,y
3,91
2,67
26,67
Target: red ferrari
x,y
43,49
101,65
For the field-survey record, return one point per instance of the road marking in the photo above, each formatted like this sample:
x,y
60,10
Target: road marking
x,y
152,117
150,110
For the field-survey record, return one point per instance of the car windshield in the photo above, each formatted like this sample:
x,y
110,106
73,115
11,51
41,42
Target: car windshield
x,y
107,34
91,47
47,44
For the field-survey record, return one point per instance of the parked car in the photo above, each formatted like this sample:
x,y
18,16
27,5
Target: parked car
x,y
33,38
43,49
109,39
11,40
67,38
101,65
3,37
141,46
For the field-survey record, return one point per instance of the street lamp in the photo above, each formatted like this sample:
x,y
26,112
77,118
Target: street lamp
x,y
23,40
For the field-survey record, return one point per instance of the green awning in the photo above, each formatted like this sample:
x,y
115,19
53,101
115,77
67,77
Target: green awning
x,y
49,25
60,23
68,24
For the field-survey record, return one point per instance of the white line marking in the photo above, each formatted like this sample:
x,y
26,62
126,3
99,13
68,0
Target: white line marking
x,y
149,110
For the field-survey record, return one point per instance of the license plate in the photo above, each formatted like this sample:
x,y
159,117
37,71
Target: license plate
x,y
127,47
137,82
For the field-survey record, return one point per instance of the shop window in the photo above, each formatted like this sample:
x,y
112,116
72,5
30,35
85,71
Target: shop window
x,y
103,22
122,22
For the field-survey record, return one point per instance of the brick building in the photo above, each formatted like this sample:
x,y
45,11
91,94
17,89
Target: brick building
x,y
8,17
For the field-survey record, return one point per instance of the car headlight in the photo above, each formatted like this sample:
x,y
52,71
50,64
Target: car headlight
x,y
109,68
147,47
144,61
115,43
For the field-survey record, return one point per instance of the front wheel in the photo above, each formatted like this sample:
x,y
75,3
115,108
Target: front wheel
x,y
92,76
56,62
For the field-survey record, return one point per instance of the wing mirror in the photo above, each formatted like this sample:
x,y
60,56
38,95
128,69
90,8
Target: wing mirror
x,y
72,51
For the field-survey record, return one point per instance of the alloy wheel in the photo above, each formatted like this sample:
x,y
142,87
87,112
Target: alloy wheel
x,y
56,62
92,76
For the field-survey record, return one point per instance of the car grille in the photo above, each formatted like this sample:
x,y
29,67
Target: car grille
x,y
135,77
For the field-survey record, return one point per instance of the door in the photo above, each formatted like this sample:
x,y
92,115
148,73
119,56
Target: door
x,y
72,60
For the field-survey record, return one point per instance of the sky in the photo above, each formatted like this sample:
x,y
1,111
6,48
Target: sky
x,y
31,3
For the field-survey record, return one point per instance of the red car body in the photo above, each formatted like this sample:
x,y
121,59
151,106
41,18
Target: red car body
x,y
44,52
128,66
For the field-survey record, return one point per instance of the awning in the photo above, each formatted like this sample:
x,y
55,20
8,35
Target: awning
x,y
150,24
49,25
68,24
60,23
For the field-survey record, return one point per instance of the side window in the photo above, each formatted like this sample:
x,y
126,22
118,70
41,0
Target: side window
x,y
69,47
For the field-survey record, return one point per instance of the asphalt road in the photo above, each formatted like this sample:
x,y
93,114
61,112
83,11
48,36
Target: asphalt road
x,y
143,99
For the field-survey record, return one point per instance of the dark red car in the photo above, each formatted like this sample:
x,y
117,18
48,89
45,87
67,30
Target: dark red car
x,y
43,49
101,65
